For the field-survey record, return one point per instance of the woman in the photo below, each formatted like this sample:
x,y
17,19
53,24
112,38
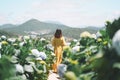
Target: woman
x,y
58,42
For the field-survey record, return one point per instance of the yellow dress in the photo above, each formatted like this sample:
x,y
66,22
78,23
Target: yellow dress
x,y
58,44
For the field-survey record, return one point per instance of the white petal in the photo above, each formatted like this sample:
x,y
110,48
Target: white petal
x,y
19,68
116,42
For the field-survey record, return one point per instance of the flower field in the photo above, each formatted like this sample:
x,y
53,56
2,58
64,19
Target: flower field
x,y
91,57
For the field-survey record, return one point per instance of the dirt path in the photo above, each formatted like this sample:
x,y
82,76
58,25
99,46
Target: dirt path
x,y
53,76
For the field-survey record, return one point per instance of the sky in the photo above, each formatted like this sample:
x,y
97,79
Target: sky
x,y
74,13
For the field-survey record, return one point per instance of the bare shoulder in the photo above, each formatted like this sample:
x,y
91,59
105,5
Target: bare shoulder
x,y
62,37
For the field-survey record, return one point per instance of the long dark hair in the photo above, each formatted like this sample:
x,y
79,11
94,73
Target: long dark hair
x,y
58,33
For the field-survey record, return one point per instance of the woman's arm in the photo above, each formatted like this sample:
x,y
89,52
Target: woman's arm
x,y
53,42
63,41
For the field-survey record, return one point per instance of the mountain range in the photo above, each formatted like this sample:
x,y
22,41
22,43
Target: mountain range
x,y
34,26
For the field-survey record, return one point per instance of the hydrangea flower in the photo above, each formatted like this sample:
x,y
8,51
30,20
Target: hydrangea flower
x,y
43,55
75,49
49,46
14,59
21,44
4,42
39,59
17,52
94,36
116,42
85,34
0,45
28,68
42,39
26,37
75,62
0,55
68,44
99,40
53,54
3,37
98,34
36,53
43,62
75,40
12,40
19,68
62,68
70,75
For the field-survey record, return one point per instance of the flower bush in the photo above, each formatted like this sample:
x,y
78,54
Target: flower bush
x,y
28,56
92,57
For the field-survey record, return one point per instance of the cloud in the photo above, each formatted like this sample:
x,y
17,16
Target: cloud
x,y
54,5
65,11
68,12
3,19
117,13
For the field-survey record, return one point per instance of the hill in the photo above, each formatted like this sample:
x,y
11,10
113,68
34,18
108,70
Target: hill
x,y
7,26
75,32
34,26
8,34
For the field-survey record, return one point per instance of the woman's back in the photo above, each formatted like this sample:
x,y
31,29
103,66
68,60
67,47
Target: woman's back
x,y
58,41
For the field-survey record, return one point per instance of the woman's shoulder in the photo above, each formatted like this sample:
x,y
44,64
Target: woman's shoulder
x,y
62,37
58,38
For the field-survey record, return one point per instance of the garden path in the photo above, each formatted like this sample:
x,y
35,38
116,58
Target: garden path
x,y
53,76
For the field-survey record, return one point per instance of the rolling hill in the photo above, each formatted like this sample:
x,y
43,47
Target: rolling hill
x,y
8,34
33,25
44,28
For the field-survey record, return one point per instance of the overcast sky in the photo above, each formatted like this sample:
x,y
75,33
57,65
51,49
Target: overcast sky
x,y
73,13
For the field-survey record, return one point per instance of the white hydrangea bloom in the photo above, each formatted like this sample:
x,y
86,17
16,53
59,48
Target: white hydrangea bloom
x,y
49,46
98,34
116,42
3,37
20,38
23,77
39,58
68,44
0,55
35,52
12,40
42,39
75,40
14,59
43,55
26,37
33,36
21,44
28,68
75,49
94,36
17,52
0,45
19,68
53,54
85,34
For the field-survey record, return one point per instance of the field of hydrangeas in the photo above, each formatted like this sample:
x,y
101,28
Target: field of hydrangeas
x,y
91,57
